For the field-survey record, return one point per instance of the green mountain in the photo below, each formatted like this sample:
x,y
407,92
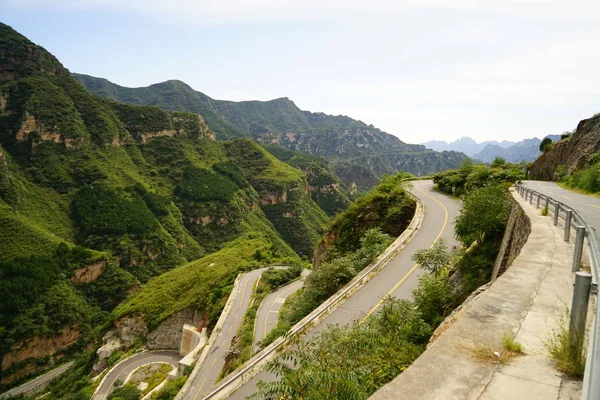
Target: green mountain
x,y
340,139
98,197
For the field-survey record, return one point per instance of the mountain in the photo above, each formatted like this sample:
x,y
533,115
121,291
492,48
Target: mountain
x,y
573,152
525,150
465,145
339,139
97,198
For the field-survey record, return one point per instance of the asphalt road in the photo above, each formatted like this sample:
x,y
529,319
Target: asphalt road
x,y
40,380
122,370
587,206
268,313
397,279
211,368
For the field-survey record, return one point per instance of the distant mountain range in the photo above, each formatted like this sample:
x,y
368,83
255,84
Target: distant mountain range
x,y
354,148
525,150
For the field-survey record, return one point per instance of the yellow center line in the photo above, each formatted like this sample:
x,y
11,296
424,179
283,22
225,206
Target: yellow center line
x,y
199,389
414,266
214,361
568,198
593,205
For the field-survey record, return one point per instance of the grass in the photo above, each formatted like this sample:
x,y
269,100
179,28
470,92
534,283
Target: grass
x,y
565,185
544,211
509,350
564,356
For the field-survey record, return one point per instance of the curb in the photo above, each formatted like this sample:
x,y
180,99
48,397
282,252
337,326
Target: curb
x,y
213,337
256,364
113,367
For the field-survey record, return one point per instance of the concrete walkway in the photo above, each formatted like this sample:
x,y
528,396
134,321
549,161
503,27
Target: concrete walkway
x,y
526,302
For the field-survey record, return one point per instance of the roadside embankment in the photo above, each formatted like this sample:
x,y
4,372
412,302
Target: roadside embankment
x,y
526,303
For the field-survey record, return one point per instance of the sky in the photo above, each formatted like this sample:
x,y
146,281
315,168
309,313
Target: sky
x,y
419,69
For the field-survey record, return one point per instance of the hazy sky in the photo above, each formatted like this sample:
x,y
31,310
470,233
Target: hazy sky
x,y
419,69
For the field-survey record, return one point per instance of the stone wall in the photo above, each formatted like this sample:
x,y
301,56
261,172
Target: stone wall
x,y
517,231
168,334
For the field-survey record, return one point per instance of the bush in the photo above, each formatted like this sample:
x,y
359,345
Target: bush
x,y
279,277
545,145
125,392
484,213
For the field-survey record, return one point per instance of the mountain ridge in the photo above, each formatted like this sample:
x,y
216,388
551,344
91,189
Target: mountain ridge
x,y
340,139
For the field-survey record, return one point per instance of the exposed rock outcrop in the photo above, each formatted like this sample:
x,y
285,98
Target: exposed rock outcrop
x,y
573,153
40,346
168,334
89,273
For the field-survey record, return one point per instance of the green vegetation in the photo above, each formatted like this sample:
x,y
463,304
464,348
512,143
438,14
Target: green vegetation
x,y
355,360
387,207
351,362
546,144
270,280
327,279
587,179
510,344
97,198
470,177
564,355
170,390
125,392
362,151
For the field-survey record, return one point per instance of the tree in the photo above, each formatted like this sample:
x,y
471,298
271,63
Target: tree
x,y
484,212
498,162
433,259
546,144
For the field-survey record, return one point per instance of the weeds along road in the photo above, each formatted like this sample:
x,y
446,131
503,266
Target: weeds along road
x,y
588,206
397,279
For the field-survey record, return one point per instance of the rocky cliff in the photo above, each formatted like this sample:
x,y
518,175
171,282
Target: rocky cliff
x,y
573,152
280,122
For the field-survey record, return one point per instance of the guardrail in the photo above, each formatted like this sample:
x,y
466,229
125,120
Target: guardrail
x,y
585,284
255,363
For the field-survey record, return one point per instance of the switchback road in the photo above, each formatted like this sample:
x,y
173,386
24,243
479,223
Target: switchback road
x,y
397,279
268,313
211,368
122,370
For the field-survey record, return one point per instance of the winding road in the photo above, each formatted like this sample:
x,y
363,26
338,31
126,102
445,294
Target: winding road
x,y
588,206
37,382
124,368
268,313
397,279
209,372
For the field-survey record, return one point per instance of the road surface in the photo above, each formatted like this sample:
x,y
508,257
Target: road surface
x,y
268,313
39,381
397,279
211,368
122,370
587,206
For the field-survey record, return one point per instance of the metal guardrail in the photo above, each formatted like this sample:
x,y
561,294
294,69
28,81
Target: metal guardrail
x,y
585,284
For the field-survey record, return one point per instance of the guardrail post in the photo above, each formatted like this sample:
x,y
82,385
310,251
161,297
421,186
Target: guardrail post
x,y
579,308
578,251
556,213
568,216
537,205
547,203
531,198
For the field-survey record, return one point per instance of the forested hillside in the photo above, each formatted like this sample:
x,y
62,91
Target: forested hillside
x,y
340,139
98,197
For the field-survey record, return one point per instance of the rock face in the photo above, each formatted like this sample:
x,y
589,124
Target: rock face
x,y
518,228
89,273
35,348
573,153
168,334
126,330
